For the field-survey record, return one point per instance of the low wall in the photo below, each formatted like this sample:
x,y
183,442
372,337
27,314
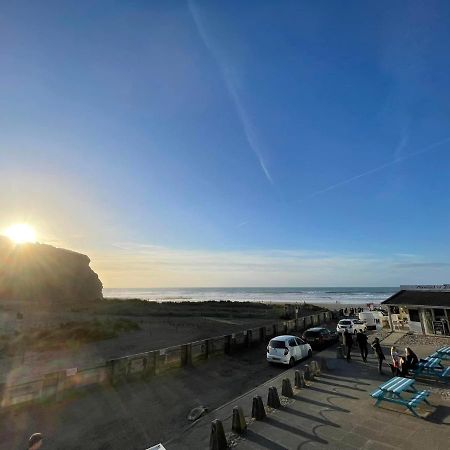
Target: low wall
x,y
148,364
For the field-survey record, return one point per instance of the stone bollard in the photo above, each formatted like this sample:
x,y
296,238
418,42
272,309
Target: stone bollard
x,y
239,424
286,388
300,379
273,400
309,375
217,440
340,352
258,411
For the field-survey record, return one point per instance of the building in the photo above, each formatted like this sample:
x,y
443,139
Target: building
x,y
422,309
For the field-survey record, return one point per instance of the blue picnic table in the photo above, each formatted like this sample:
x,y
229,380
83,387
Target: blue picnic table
x,y
443,353
394,391
432,366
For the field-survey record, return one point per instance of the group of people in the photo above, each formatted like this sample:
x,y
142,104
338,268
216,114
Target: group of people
x,y
361,340
400,365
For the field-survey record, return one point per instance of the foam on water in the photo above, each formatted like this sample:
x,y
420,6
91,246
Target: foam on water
x,y
351,295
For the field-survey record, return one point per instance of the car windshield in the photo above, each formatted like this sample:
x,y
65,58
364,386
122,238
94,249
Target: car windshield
x,y
277,344
314,333
345,322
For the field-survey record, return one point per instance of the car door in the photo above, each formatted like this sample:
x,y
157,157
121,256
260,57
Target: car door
x,y
293,347
325,336
301,348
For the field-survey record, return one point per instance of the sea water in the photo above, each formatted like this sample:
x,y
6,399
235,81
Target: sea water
x,y
315,295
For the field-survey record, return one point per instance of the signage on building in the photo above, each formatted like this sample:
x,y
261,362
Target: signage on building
x,y
425,287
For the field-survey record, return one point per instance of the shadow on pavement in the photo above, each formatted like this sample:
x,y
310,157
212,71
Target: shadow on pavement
x,y
440,415
293,430
323,405
262,442
290,410
333,393
318,380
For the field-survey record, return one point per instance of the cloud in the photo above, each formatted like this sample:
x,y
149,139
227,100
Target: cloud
x,y
232,88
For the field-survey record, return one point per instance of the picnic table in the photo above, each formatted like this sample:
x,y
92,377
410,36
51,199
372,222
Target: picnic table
x,y
443,353
393,391
432,366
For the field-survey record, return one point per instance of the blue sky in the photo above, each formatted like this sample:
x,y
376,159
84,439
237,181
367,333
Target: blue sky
x,y
206,143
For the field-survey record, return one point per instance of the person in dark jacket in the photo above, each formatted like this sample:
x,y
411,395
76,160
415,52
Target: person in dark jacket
x,y
411,359
348,341
361,339
379,352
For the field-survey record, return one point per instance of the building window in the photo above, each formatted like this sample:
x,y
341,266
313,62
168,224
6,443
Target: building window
x,y
414,315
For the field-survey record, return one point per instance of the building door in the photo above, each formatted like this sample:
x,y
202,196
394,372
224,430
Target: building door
x,y
428,321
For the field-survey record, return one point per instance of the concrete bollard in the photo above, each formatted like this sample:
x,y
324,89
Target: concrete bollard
x,y
258,411
340,352
300,379
273,400
239,424
217,440
309,375
286,388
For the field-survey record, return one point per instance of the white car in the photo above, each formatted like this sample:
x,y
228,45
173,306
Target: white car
x,y
352,325
287,350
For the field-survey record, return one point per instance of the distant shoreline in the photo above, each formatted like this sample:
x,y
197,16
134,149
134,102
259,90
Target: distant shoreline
x,y
330,306
337,297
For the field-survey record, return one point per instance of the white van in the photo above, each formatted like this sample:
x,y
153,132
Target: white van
x,y
373,319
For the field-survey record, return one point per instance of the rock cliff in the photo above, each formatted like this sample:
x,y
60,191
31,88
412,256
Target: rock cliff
x,y
41,273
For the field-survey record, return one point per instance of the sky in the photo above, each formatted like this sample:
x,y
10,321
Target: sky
x,y
211,143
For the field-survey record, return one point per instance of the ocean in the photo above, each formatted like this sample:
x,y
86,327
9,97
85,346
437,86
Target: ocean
x,y
315,295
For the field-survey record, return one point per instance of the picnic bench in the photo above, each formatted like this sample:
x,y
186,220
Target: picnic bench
x,y
392,391
443,353
432,366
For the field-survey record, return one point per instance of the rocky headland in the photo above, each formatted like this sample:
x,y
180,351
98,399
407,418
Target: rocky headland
x,y
42,274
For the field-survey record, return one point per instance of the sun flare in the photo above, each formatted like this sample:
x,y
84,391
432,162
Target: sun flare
x,y
21,233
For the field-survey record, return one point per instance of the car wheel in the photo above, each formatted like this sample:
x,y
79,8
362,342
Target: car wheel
x,y
309,353
291,362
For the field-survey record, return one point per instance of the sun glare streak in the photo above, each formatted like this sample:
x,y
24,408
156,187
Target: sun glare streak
x,y
21,233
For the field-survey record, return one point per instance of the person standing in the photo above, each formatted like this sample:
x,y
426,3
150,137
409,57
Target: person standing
x,y
411,359
348,341
379,352
361,339
396,364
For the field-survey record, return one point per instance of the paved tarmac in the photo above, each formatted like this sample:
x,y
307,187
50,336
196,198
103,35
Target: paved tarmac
x,y
335,412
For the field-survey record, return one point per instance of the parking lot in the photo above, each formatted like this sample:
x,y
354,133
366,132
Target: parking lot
x,y
335,411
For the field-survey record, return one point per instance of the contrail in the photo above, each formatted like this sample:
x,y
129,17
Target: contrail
x,y
248,128
377,169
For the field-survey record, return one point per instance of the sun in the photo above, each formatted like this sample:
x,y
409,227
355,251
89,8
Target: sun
x,y
21,233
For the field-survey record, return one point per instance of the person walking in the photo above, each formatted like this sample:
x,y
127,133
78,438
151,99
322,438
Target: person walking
x,y
361,339
379,352
348,341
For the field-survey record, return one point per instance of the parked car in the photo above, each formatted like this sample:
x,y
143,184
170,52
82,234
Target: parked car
x,y
352,325
319,337
287,350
